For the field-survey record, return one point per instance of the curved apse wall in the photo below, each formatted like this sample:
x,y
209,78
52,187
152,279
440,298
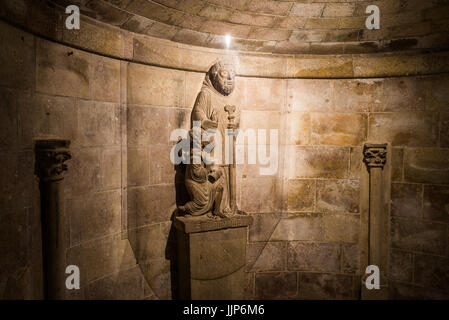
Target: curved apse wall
x,y
117,96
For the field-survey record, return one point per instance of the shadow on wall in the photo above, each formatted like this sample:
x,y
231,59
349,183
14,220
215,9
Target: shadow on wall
x,y
154,244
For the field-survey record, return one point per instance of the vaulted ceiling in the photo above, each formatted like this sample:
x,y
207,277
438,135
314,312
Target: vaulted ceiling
x,y
280,26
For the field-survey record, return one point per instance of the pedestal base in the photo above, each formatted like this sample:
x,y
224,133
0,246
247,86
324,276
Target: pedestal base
x,y
211,257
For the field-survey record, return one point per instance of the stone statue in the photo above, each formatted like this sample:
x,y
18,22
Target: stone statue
x,y
211,186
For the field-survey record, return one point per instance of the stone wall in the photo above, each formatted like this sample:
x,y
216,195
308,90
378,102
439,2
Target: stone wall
x,y
121,188
50,90
310,246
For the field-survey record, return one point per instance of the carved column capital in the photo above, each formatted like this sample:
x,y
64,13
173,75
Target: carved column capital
x,y
375,155
50,157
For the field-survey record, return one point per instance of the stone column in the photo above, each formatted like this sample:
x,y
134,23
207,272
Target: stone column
x,y
50,157
374,157
211,257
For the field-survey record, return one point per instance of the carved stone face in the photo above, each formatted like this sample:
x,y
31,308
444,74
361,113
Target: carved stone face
x,y
222,76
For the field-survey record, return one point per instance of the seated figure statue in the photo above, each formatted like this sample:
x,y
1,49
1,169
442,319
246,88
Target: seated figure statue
x,y
211,187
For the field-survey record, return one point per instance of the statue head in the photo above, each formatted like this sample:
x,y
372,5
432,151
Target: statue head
x,y
222,75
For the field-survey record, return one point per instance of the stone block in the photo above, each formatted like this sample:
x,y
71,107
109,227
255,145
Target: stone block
x,y
350,258
303,226
18,171
94,216
338,10
158,279
178,119
426,165
123,285
162,170
138,166
9,122
276,285
17,58
191,37
269,34
239,17
95,37
397,164
151,204
402,94
356,164
111,168
260,66
62,70
301,195
155,86
308,256
151,52
406,200
215,12
298,128
413,129
98,123
84,174
149,243
147,125
14,238
194,81
325,286
327,47
223,28
418,235
335,67
107,13
341,227
249,291
307,9
265,198
299,36
432,271
46,116
321,23
338,196
309,95
266,256
270,7
102,257
289,22
105,79
319,162
265,94
439,95
362,95
338,128
352,22
235,4
263,226
444,131
401,266
394,65
256,120
436,203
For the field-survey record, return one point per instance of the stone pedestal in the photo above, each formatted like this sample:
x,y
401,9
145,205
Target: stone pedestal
x,y
211,257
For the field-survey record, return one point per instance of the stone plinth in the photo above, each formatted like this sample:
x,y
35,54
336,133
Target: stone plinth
x,y
211,257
